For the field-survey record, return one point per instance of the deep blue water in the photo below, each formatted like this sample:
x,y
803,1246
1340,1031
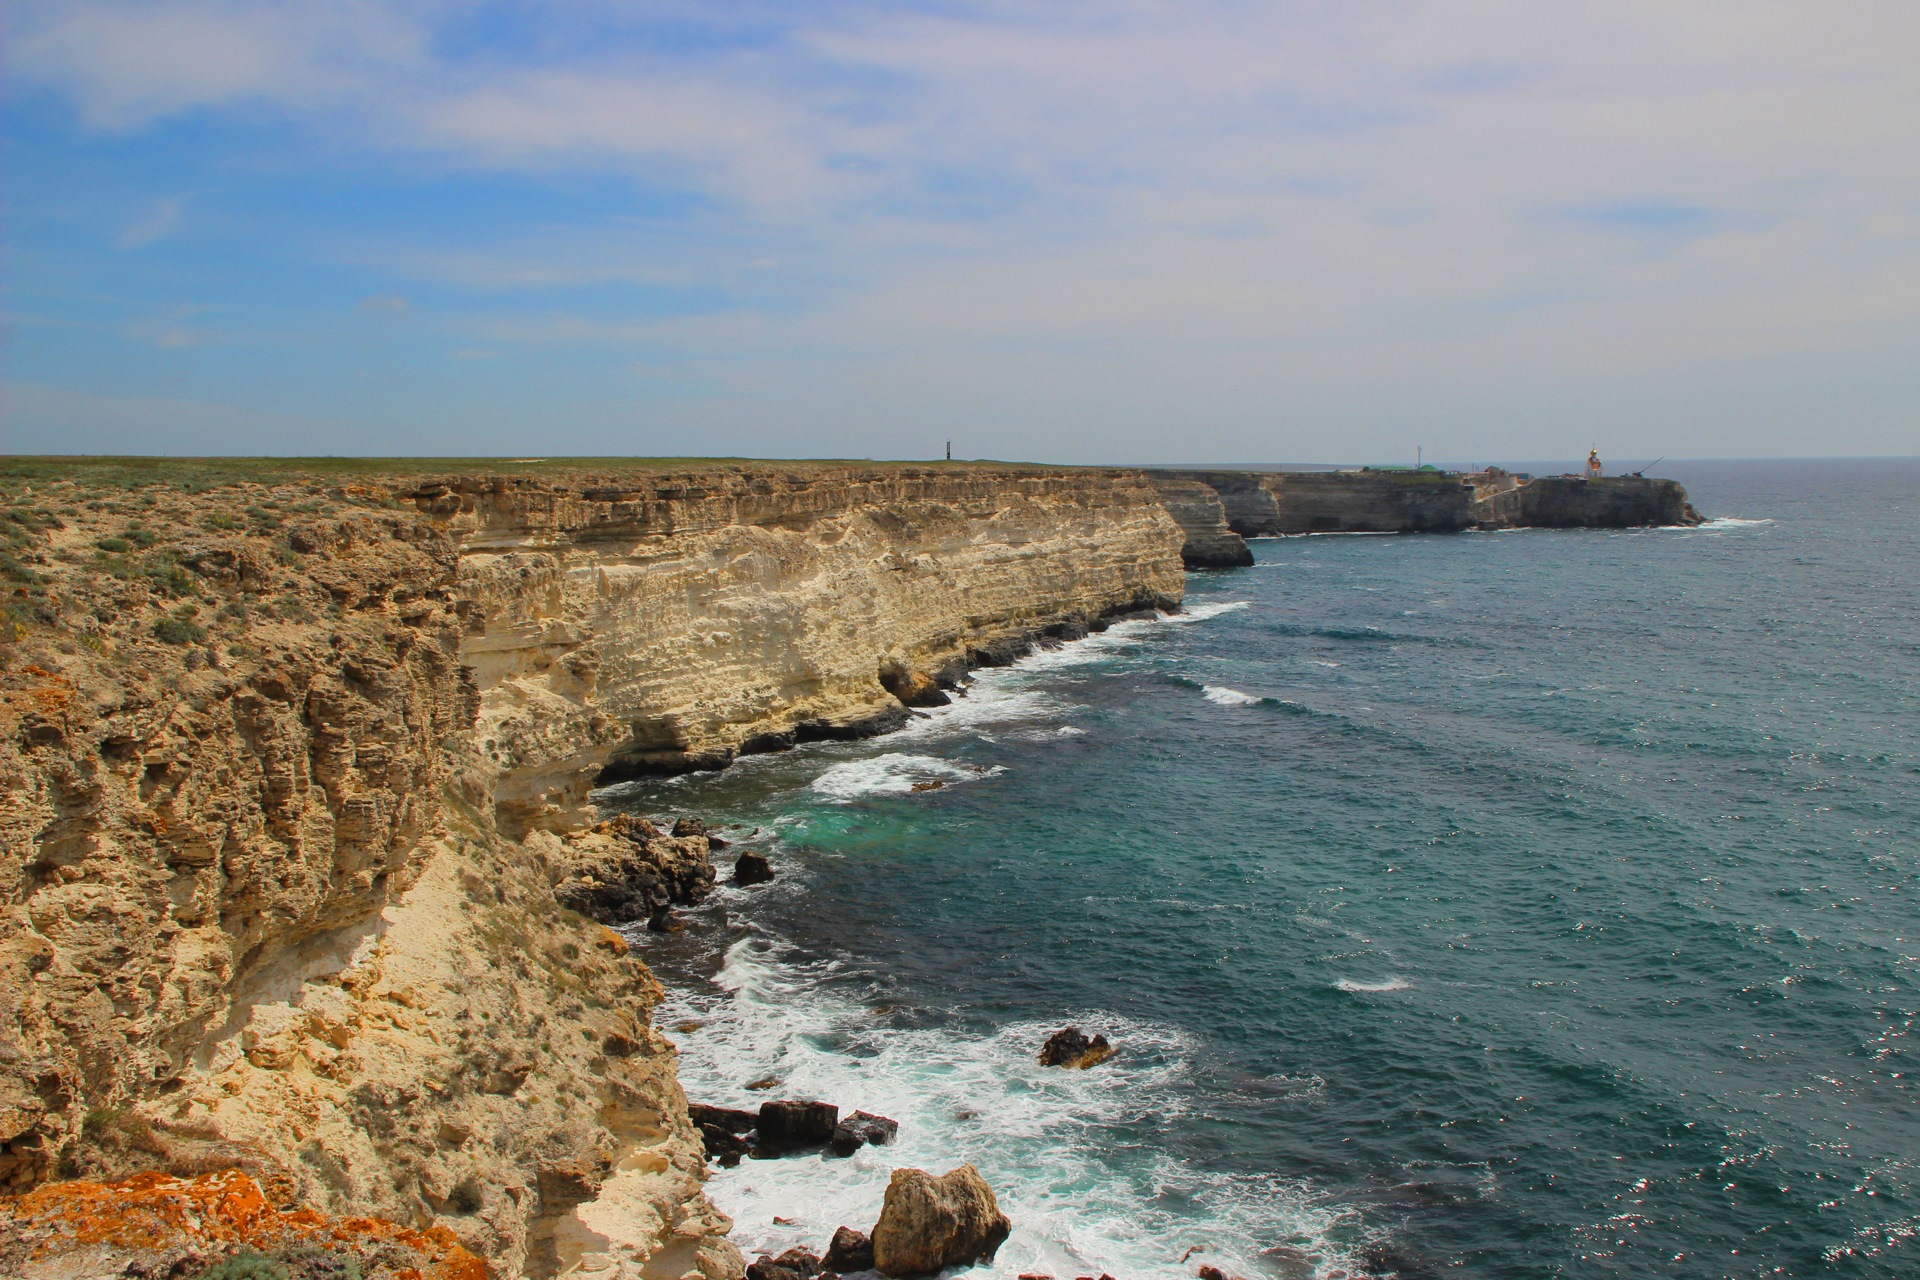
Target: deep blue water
x,y
1506,905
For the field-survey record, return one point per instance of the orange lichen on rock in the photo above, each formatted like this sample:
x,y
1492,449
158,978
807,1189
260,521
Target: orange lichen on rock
x,y
214,1215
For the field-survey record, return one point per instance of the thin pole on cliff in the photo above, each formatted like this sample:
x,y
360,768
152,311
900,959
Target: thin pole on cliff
x,y
949,451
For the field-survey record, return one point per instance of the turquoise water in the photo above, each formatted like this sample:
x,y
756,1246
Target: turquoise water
x,y
1505,905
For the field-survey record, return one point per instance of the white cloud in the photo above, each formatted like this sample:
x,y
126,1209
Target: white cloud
x,y
127,63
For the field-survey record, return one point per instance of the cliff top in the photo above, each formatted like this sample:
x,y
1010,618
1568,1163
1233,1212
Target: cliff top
x,y
211,472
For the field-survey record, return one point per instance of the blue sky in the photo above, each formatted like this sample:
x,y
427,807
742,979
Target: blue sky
x,y
1122,232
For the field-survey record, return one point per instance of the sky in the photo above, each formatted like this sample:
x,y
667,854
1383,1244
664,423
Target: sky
x,y
1071,232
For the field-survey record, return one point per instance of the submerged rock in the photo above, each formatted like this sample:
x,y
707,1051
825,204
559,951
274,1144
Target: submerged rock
x,y
795,1125
752,868
1072,1047
849,1250
928,1224
859,1129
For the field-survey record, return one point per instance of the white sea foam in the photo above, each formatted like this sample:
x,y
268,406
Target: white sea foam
x,y
1721,523
1322,662
1371,988
1080,1202
1050,735
1201,612
893,774
1227,697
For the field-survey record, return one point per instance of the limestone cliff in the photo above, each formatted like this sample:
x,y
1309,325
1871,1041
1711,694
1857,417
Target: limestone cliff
x,y
1575,502
289,771
1273,503
1196,505
620,628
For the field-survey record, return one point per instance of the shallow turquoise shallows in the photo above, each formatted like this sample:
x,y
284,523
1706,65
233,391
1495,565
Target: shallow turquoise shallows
x,y
1499,905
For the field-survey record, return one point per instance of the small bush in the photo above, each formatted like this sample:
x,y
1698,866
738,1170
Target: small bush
x,y
221,520
113,544
142,538
246,1265
178,628
465,1197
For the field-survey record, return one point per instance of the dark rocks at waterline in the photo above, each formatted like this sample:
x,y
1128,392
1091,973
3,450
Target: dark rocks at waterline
x,y
725,1118
724,1147
1072,1047
624,870
688,827
1002,652
663,920
928,1224
850,1250
861,1128
794,1264
752,868
795,1125
913,687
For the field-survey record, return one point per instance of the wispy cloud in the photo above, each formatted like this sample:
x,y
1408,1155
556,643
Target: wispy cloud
x,y
1101,206
156,224
170,330
384,304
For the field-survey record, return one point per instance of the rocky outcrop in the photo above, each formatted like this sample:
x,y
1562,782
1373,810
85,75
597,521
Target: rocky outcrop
x,y
928,1224
1577,502
1209,541
624,870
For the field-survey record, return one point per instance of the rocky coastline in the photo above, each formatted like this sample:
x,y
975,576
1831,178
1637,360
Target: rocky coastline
x,y
303,881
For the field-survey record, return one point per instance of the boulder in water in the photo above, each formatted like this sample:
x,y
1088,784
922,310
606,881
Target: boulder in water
x,y
795,1125
752,868
860,1128
689,827
850,1250
1072,1047
794,1264
928,1224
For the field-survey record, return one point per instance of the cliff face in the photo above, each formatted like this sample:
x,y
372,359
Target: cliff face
x,y
1196,506
623,628
285,771
1269,504
1574,502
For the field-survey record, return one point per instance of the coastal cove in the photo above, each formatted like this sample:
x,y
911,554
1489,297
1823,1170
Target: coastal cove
x,y
1488,898
1514,904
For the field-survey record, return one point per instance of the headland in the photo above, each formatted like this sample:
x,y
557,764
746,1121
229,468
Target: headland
x,y
297,762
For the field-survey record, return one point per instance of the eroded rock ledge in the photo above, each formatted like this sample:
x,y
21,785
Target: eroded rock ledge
x,y
283,762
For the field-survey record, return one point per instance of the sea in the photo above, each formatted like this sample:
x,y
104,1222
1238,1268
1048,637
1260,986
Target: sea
x,y
1521,904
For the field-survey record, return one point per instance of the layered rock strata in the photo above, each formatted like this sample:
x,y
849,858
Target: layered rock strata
x,y
290,771
624,628
1269,504
1574,502
1210,542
